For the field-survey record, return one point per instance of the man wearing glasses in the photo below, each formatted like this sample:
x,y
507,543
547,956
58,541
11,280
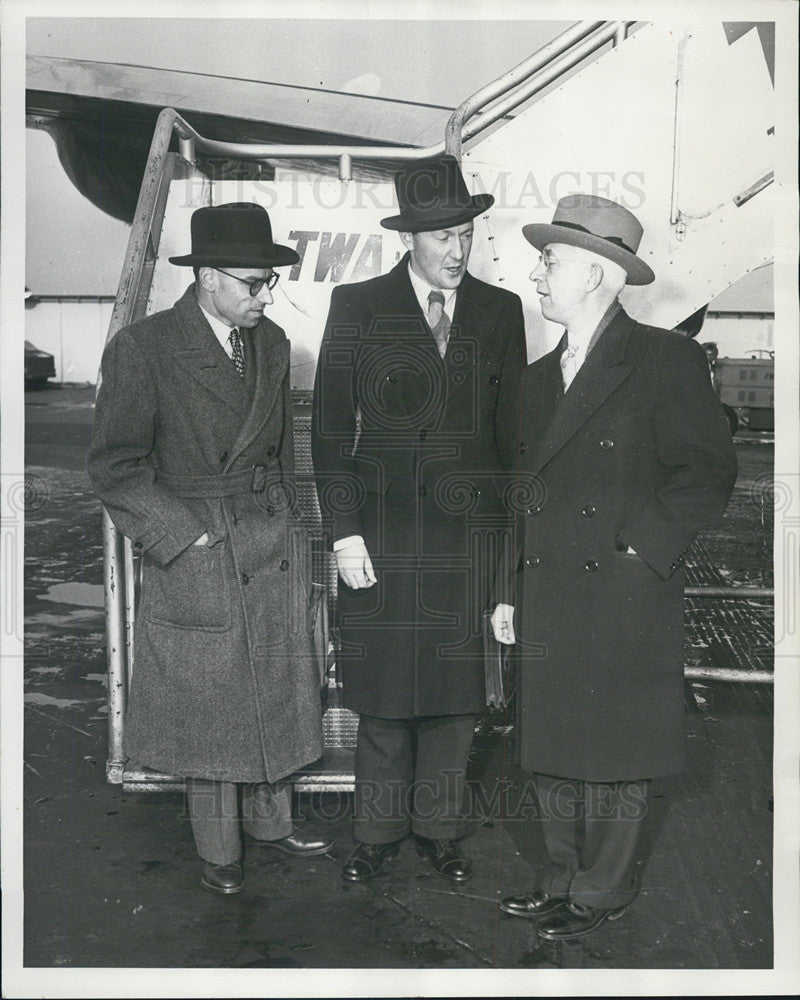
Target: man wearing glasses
x,y
192,455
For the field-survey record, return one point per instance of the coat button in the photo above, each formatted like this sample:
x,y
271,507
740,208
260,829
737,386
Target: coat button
x,y
245,579
606,444
271,450
522,447
391,379
591,565
494,380
284,565
589,510
533,511
532,561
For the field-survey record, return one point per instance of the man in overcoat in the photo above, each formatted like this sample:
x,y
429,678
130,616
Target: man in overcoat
x,y
404,443
627,455
192,455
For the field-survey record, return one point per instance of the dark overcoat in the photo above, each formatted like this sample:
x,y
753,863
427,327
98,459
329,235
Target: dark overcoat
x,y
422,485
224,684
636,453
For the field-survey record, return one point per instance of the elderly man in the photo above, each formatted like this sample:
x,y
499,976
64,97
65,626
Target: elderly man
x,y
627,447
192,455
404,439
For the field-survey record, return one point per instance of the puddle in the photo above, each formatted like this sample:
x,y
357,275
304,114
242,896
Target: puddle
x,y
34,698
79,614
87,595
101,678
45,670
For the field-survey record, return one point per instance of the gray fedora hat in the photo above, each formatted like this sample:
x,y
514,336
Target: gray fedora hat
x,y
238,234
597,224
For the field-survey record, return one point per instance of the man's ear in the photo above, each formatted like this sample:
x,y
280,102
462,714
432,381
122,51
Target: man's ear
x,y
407,239
595,276
207,279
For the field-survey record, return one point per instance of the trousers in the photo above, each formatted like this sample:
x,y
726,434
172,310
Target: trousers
x,y
410,777
266,814
592,832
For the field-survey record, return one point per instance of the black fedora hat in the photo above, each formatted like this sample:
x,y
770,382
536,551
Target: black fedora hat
x,y
597,224
238,234
432,195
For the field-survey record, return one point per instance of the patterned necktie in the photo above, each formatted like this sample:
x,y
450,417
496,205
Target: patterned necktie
x,y
237,354
569,366
439,323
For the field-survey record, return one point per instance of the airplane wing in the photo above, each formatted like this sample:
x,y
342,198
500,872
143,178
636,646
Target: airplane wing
x,y
102,116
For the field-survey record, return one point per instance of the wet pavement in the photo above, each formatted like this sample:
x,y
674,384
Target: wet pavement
x,y
111,878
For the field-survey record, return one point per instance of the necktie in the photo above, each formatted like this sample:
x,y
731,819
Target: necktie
x,y
569,366
237,354
439,323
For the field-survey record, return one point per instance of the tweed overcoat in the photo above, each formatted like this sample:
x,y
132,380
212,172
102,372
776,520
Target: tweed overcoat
x,y
637,453
224,684
422,485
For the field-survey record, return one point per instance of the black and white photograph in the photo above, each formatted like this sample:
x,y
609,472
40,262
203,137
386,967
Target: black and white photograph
x,y
399,565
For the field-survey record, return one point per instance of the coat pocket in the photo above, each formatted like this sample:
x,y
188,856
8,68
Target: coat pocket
x,y
191,592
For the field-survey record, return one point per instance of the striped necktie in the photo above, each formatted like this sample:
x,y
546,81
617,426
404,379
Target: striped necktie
x,y
237,354
439,323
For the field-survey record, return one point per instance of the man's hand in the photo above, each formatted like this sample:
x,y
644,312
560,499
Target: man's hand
x,y
503,624
202,540
355,566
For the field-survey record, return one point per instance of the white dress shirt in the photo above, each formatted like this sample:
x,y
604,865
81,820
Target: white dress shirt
x,y
222,332
422,290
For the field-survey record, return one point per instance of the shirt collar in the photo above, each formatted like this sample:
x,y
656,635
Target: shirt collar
x,y
584,346
220,330
422,289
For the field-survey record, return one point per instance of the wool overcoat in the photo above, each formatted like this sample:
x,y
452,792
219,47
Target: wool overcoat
x,y
405,454
224,684
637,453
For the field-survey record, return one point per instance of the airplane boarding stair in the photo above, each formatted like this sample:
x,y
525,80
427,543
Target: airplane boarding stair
x,y
675,123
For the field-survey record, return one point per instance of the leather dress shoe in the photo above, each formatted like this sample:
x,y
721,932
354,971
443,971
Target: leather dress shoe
x,y
299,846
575,921
446,856
367,860
538,904
223,879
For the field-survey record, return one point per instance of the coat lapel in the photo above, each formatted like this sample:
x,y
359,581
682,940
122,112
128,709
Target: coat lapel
x,y
271,360
402,303
602,371
202,357
474,320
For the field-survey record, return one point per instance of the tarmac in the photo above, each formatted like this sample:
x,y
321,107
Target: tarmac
x,y
112,879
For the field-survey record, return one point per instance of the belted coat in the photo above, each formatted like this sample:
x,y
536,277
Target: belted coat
x,y
224,683
404,445
636,453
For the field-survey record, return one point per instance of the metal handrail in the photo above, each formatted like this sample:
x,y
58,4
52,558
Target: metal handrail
x,y
530,76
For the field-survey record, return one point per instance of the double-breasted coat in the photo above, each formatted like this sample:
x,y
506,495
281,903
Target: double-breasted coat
x,y
224,684
405,454
637,453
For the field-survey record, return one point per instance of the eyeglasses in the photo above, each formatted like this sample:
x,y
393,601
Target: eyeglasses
x,y
548,262
254,286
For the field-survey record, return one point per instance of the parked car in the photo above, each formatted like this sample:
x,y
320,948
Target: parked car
x,y
39,367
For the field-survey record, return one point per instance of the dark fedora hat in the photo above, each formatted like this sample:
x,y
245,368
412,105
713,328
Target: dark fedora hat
x,y
597,224
238,234
432,195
